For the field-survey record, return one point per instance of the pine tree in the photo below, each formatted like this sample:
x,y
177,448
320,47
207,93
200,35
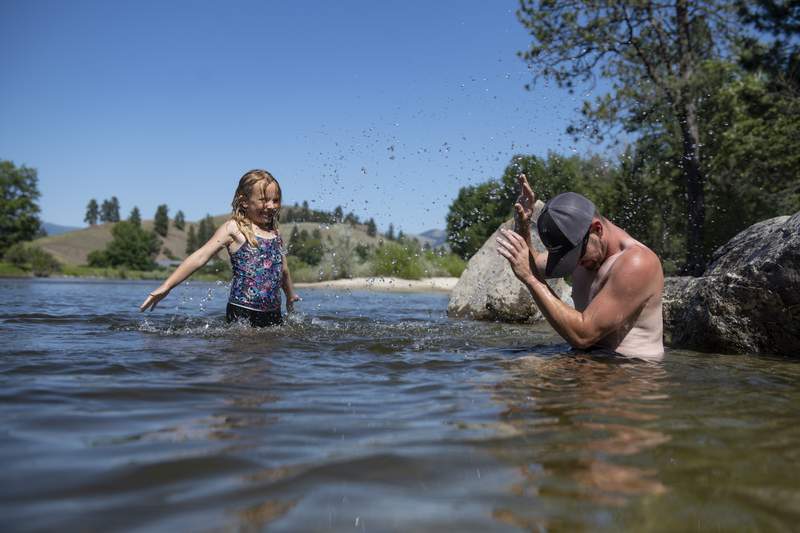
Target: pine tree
x,y
135,216
114,210
372,229
390,233
161,220
205,230
105,211
92,212
191,240
179,221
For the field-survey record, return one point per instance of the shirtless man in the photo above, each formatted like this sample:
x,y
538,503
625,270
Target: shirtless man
x,y
616,281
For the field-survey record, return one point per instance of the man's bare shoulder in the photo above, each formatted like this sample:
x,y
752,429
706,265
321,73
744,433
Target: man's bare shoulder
x,y
638,265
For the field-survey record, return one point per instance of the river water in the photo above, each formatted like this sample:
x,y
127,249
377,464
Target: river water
x,y
371,412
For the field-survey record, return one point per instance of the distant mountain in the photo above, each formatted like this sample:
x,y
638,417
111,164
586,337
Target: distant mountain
x,y
54,229
436,237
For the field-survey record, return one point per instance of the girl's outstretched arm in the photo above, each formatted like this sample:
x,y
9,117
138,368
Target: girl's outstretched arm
x,y
221,238
288,288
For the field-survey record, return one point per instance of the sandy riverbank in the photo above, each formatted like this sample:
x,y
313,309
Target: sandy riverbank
x,y
385,284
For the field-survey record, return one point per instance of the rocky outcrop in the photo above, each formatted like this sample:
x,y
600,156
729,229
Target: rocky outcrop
x,y
748,299
488,289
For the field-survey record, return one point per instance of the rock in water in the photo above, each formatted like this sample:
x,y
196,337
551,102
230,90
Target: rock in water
x,y
748,299
488,289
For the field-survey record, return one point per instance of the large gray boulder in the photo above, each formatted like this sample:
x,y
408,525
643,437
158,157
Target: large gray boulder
x,y
748,299
488,289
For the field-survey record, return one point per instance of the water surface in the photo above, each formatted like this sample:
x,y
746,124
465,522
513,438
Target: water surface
x,y
371,412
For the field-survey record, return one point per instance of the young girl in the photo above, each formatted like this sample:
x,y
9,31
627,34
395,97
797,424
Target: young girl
x,y
255,248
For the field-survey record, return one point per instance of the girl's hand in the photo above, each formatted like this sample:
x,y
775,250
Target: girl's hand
x,y
290,300
153,298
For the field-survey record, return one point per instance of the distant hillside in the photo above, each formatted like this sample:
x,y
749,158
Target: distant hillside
x,y
434,237
73,247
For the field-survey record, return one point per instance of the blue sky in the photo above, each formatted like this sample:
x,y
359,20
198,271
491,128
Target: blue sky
x,y
385,108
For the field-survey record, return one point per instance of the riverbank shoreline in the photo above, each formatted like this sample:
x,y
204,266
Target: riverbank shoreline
x,y
384,284
378,284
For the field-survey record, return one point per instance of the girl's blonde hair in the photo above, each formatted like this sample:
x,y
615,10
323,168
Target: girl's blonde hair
x,y
247,184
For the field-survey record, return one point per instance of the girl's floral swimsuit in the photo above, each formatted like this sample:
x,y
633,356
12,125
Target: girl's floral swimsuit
x,y
257,277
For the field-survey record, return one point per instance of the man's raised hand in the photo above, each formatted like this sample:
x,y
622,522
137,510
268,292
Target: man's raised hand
x,y
523,209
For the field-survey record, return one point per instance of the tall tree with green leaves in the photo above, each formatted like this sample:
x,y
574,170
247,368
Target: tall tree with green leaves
x,y
179,221
19,210
92,212
390,232
135,217
653,53
161,220
131,247
478,210
779,53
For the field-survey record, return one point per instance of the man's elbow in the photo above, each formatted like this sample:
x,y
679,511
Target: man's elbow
x,y
583,341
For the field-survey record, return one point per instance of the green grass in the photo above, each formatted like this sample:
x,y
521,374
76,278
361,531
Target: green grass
x,y
7,270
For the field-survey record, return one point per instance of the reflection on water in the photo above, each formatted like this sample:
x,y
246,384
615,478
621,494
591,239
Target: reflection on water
x,y
371,411
582,425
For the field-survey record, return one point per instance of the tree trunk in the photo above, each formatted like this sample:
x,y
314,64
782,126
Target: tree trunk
x,y
695,196
690,132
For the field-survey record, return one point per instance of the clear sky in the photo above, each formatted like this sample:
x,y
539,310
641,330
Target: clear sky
x,y
383,107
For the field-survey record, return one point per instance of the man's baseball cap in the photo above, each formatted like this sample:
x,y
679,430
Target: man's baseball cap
x,y
564,228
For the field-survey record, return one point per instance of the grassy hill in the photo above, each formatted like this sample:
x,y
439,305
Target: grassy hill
x,y
347,251
73,247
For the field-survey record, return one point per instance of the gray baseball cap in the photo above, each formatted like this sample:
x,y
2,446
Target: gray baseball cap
x,y
564,229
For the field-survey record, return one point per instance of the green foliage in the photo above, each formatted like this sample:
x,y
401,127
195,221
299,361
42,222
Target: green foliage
x,y
751,151
478,210
161,220
92,212
362,251
205,230
19,211
32,258
351,219
390,233
179,221
7,270
135,217
109,211
653,52
307,248
396,260
191,240
780,55
130,247
218,268
444,264
372,228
